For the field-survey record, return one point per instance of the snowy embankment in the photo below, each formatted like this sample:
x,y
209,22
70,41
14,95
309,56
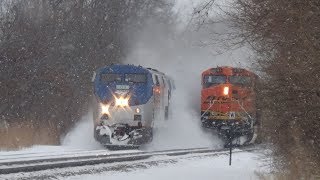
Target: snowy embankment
x,y
245,166
206,165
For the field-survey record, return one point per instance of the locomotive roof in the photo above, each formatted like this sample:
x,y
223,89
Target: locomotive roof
x,y
155,71
128,67
228,70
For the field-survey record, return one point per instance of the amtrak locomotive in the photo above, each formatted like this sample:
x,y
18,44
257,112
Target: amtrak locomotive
x,y
129,101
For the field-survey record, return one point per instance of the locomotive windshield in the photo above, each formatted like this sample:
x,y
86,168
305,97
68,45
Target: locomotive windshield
x,y
136,78
240,80
111,77
214,80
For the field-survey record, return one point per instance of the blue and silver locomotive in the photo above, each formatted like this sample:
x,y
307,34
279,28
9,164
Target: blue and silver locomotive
x,y
129,102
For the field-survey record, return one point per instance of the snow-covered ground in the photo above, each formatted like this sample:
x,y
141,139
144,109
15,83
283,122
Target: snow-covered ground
x,y
245,166
80,138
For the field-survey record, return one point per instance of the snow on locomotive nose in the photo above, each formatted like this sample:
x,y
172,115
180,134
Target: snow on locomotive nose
x,y
228,101
127,104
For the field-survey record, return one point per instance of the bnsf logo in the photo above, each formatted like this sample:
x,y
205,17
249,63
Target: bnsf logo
x,y
222,99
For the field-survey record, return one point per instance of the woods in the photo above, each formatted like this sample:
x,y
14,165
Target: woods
x,y
286,41
49,50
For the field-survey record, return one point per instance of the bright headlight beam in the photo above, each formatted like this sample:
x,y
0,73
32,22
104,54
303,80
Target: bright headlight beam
x,y
122,102
226,90
104,109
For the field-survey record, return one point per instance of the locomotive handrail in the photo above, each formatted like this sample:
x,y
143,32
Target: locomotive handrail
x,y
211,104
245,111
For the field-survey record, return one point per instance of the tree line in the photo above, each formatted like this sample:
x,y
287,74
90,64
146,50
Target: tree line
x,y
50,48
285,36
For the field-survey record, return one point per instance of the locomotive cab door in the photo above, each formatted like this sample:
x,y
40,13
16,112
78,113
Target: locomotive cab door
x,y
159,110
156,96
166,87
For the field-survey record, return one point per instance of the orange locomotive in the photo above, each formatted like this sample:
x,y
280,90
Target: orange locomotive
x,y
228,101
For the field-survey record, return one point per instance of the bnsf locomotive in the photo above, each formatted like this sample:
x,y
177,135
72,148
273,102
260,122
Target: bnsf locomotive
x,y
228,102
129,101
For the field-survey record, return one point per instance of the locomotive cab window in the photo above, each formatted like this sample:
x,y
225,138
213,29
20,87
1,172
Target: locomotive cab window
x,y
111,77
136,78
240,80
212,80
163,81
157,82
169,84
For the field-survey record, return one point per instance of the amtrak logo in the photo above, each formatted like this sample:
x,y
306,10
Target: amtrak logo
x,y
122,89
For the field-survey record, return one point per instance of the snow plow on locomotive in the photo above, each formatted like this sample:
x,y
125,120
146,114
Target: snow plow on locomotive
x,y
228,103
128,100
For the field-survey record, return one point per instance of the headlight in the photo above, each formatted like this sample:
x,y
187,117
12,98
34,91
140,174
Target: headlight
x,y
104,109
122,102
226,90
138,110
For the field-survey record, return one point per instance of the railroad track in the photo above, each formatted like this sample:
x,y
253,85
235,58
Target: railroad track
x,y
28,163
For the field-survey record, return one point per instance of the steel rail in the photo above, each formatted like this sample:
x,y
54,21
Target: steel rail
x,y
76,156
64,162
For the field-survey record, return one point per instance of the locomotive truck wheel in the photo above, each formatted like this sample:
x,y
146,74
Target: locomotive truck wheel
x,y
148,135
105,139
